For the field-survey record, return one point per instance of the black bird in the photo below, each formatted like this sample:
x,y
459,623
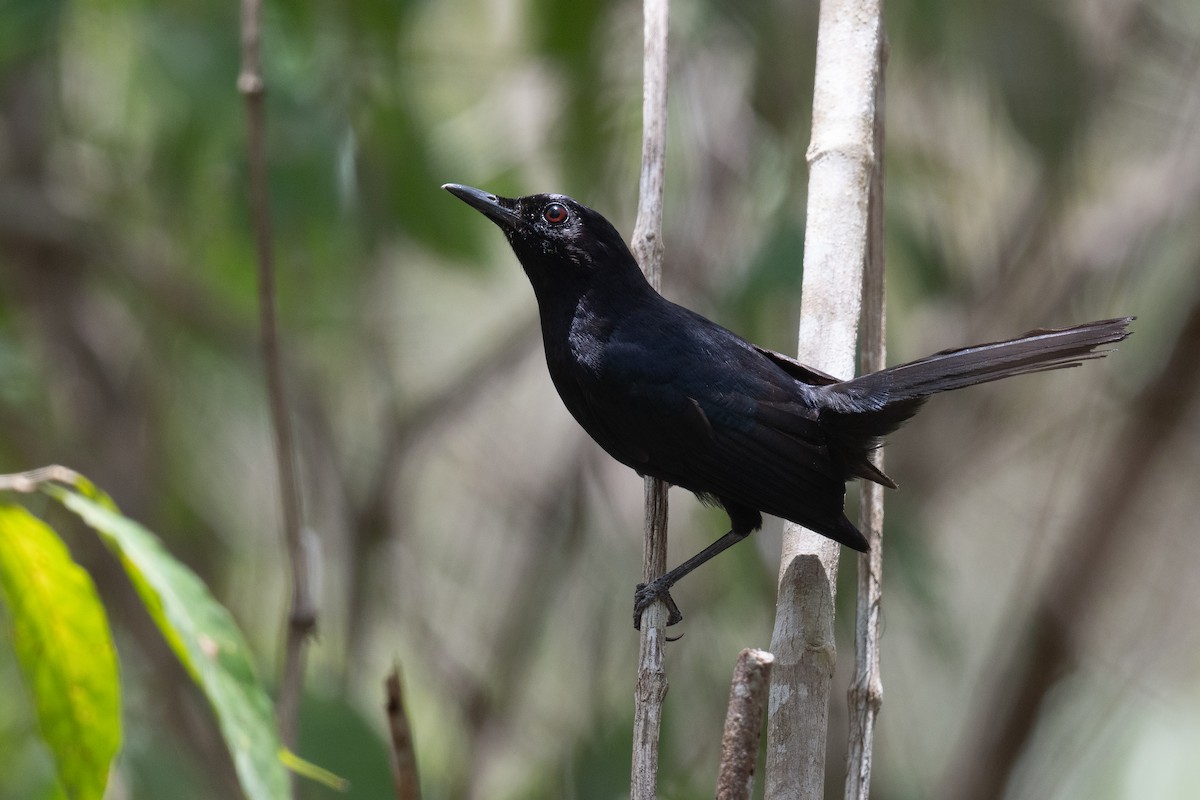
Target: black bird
x,y
678,397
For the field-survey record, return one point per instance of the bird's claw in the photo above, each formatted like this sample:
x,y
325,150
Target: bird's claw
x,y
646,594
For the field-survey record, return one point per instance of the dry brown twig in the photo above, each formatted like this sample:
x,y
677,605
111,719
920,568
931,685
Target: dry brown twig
x,y
404,755
302,615
743,724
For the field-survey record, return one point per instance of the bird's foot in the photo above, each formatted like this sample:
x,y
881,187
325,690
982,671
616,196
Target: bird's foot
x,y
646,594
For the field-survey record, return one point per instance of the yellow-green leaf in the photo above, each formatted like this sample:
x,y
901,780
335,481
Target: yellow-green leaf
x,y
202,633
64,647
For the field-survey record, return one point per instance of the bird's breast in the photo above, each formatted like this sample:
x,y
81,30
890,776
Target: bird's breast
x,y
583,342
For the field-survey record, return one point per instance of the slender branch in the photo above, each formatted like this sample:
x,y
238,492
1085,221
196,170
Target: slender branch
x,y
743,724
651,687
841,161
647,248
866,689
302,613
647,241
404,755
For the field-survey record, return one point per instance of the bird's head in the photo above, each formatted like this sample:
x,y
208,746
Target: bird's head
x,y
555,238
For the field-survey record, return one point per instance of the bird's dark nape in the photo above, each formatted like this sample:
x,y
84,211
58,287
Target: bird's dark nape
x,y
676,396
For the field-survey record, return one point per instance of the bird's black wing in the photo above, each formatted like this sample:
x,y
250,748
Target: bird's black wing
x,y
699,407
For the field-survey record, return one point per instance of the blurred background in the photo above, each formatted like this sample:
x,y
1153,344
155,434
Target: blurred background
x,y
1041,559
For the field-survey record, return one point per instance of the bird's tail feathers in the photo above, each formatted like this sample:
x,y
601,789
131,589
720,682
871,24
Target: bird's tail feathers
x,y
1036,351
865,409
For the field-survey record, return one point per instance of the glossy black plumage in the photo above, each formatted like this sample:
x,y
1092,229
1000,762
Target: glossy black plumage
x,y
676,396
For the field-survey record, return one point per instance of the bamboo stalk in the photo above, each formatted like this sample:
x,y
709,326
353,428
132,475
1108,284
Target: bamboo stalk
x,y
841,158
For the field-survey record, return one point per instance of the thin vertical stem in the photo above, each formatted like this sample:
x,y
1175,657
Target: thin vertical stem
x,y
647,248
651,688
866,689
647,241
302,614
405,779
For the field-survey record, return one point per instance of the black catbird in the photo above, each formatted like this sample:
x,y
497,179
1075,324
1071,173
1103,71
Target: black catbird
x,y
676,396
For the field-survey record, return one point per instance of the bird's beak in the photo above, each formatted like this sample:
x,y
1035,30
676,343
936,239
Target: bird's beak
x,y
497,209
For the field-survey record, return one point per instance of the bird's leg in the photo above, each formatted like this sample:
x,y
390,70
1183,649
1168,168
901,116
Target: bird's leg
x,y
660,587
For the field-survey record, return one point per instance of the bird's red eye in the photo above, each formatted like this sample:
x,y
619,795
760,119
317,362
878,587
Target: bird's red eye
x,y
555,213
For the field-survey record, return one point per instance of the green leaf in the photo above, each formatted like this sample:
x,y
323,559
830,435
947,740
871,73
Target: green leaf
x,y
200,631
64,647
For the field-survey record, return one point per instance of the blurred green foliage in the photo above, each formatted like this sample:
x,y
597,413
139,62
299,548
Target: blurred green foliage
x,y
1041,167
